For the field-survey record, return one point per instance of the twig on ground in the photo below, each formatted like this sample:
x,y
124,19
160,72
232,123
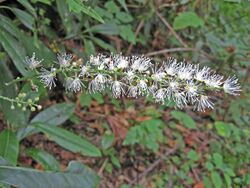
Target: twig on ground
x,y
153,165
140,25
170,28
102,167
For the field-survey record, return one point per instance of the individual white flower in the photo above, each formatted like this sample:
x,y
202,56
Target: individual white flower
x,y
84,70
122,62
143,85
191,91
98,83
140,64
133,91
129,75
203,103
172,88
111,65
160,95
64,59
180,99
214,81
171,67
95,60
202,74
158,76
232,86
152,89
117,89
185,71
32,62
74,85
48,77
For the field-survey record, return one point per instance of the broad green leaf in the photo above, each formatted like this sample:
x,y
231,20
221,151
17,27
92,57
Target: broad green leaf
x,y
9,146
184,118
45,159
76,175
77,6
107,139
16,117
54,115
25,18
216,179
222,128
15,51
107,29
123,4
187,19
69,141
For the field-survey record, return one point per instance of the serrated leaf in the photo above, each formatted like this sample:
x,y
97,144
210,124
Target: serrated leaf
x,y
69,141
216,179
222,128
76,175
77,6
184,118
45,159
187,19
127,33
9,146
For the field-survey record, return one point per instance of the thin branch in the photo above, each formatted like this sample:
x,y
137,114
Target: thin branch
x,y
170,28
171,50
153,165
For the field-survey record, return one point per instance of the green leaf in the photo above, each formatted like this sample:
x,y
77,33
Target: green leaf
x,y
223,129
184,118
98,98
103,44
187,19
107,29
107,139
193,155
126,32
124,17
9,146
16,117
54,115
85,99
69,141
77,6
111,6
216,179
228,180
15,51
45,159
76,175
25,18
218,160
28,6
